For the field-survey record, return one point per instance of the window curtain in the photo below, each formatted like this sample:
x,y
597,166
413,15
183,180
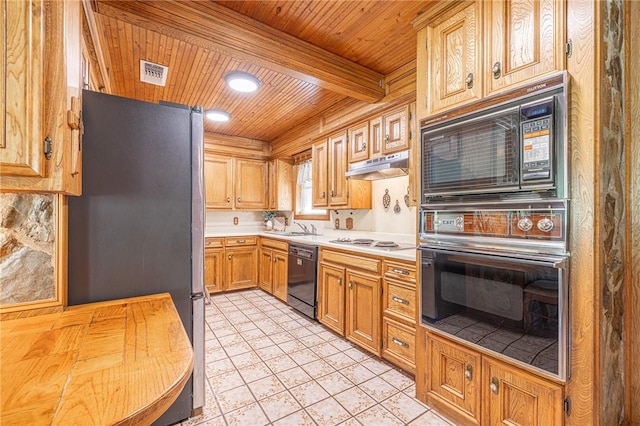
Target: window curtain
x,y
304,172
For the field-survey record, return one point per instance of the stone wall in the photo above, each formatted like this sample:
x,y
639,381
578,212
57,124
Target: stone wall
x,y
27,248
614,202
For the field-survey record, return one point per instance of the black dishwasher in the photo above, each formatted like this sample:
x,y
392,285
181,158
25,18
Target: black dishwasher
x,y
302,278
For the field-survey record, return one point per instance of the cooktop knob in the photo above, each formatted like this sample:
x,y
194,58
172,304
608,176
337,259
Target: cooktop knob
x,y
525,224
545,224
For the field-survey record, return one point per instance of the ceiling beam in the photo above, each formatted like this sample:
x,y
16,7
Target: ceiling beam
x,y
216,28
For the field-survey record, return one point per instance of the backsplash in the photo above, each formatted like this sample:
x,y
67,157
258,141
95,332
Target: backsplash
x,y
27,236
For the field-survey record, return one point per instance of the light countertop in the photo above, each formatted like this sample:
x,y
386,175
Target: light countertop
x,y
323,240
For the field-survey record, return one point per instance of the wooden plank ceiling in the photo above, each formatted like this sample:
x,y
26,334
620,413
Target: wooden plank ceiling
x,y
309,55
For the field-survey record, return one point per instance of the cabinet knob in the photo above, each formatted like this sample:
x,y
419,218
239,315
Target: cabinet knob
x,y
238,199
469,80
495,385
364,146
386,139
324,194
496,70
350,284
228,199
468,372
332,193
274,259
339,281
229,257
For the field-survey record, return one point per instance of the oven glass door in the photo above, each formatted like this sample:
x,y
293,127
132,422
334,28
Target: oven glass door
x,y
514,307
478,155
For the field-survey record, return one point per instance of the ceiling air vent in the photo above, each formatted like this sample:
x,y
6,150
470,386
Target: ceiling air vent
x,y
153,73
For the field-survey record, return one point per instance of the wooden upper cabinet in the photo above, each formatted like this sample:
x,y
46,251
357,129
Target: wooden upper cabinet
x,y
395,125
41,125
235,183
280,185
320,174
524,40
251,179
375,137
359,142
337,151
218,177
454,42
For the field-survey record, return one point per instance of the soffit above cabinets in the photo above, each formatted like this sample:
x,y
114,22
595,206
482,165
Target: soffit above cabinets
x,y
309,55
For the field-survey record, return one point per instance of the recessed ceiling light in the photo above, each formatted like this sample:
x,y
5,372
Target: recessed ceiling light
x,y
242,81
218,115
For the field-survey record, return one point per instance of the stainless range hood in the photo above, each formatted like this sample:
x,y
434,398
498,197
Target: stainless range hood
x,y
392,165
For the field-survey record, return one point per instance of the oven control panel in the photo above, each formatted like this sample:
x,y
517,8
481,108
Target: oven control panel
x,y
541,224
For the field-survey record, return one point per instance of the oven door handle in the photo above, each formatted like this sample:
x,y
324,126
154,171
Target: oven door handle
x,y
545,261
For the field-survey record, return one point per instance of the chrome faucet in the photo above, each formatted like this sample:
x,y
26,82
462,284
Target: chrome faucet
x,y
314,231
303,227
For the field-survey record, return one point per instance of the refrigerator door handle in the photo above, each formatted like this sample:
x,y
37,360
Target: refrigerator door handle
x,y
196,296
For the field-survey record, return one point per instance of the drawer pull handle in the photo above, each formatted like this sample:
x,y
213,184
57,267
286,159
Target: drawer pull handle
x,y
241,241
400,271
400,300
399,342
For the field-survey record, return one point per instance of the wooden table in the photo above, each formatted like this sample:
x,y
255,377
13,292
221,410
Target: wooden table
x,y
118,362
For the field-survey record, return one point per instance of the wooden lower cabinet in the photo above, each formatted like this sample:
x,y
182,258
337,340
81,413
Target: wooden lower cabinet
x,y
474,389
273,267
453,380
241,267
331,297
511,397
213,269
362,325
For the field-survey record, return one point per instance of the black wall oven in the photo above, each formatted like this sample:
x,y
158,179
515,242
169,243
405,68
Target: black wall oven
x,y
514,306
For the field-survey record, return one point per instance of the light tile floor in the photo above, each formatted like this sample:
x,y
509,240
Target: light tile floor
x,y
266,364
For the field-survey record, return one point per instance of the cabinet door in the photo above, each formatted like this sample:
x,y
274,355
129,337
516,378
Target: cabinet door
x,y
265,274
363,311
22,68
251,180
513,397
331,297
359,142
279,277
218,182
338,189
525,40
320,174
375,137
454,58
280,185
213,264
396,131
453,380
241,267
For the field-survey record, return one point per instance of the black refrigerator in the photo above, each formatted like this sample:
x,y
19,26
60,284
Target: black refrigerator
x,y
138,227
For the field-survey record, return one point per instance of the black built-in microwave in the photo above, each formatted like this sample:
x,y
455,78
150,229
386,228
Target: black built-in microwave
x,y
511,144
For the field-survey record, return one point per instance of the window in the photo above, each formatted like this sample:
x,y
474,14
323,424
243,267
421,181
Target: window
x,y
303,195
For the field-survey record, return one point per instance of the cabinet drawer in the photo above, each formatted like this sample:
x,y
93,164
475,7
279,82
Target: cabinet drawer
x,y
213,242
399,344
400,270
399,300
274,244
240,241
351,260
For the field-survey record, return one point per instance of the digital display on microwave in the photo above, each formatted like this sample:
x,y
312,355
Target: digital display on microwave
x,y
537,110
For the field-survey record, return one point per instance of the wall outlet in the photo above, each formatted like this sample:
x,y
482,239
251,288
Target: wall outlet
x,y
235,220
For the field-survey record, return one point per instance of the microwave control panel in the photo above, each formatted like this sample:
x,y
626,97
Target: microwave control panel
x,y
536,129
